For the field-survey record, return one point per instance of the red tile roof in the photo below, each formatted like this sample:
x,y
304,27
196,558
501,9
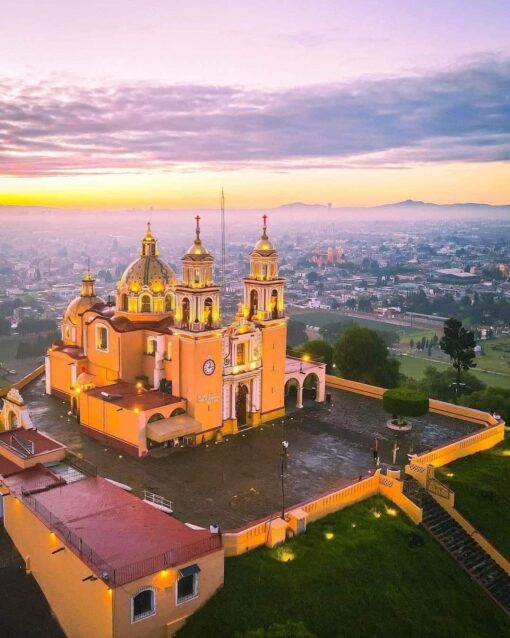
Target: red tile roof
x,y
32,479
130,397
8,467
119,534
42,442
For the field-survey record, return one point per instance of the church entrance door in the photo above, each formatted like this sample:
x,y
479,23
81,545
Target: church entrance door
x,y
241,404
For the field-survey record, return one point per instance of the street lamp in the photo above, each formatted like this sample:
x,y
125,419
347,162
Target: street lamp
x,y
283,471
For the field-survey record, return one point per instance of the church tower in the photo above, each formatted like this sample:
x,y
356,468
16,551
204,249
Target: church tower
x,y
198,327
264,305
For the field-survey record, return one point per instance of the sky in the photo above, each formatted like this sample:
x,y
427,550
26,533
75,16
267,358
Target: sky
x,y
140,103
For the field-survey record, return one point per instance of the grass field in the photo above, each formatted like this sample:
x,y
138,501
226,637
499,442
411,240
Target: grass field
x,y
482,492
374,578
415,367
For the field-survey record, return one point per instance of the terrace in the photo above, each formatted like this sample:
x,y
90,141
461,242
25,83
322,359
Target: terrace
x,y
238,481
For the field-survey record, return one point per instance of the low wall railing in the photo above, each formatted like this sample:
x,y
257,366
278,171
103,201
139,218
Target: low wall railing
x,y
126,573
19,385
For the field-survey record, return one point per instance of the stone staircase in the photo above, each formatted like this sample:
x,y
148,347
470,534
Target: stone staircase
x,y
459,544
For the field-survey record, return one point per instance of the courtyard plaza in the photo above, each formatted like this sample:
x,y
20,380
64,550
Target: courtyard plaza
x,y
238,481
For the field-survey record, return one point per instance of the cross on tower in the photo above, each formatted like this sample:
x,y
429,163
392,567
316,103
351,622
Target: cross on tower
x,y
197,218
264,217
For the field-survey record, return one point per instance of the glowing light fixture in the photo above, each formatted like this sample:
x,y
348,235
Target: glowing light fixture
x,y
329,536
391,511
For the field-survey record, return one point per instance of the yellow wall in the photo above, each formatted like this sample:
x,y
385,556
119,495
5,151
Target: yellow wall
x,y
203,392
168,613
84,609
61,371
274,343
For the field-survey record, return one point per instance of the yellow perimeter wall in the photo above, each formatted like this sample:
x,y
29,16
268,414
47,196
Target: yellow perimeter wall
x,y
84,609
238,541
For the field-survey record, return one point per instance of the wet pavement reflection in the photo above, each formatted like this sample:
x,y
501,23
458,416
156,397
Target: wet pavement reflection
x,y
238,480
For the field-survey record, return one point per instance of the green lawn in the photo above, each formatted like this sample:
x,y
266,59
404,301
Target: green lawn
x,y
496,355
414,366
482,492
375,578
322,317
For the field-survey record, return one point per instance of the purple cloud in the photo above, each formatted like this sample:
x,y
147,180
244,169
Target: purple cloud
x,y
460,115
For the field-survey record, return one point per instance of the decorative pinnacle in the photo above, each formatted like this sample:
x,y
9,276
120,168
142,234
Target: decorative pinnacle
x,y
148,233
197,230
264,227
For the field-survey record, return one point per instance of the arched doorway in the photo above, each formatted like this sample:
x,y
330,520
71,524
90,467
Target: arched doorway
x,y
291,393
310,387
241,404
254,302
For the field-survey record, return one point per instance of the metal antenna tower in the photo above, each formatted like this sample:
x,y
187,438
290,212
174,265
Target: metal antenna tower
x,y
222,238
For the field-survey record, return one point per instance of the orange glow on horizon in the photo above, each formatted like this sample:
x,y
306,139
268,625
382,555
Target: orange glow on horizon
x,y
252,188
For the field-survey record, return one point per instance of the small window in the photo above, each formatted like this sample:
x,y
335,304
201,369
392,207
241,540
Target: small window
x,y
152,346
240,352
146,303
102,338
187,585
169,351
143,605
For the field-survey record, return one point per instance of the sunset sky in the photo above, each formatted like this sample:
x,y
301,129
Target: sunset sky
x,y
137,103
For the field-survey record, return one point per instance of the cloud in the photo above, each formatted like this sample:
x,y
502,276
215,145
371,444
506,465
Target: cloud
x,y
459,115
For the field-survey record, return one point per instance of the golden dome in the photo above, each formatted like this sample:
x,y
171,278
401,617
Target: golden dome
x,y
79,305
86,299
148,270
264,245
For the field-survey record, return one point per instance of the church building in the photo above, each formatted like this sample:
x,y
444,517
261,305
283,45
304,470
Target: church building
x,y
157,367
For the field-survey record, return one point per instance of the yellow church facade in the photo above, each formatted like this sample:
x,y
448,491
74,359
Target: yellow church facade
x,y
157,367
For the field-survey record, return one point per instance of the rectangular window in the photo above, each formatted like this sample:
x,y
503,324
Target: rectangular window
x,y
152,346
169,351
187,585
102,338
240,354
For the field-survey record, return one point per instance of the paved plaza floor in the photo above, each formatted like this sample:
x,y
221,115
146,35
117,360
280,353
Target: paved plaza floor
x,y
238,480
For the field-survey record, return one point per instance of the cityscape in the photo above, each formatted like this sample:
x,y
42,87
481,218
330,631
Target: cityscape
x,y
254,320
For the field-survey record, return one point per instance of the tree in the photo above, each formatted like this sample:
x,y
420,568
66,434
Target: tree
x,y
439,384
405,402
361,355
28,326
318,348
364,304
459,344
350,303
296,333
411,343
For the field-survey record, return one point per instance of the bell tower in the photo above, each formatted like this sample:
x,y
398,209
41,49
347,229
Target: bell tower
x,y
264,306
197,297
197,327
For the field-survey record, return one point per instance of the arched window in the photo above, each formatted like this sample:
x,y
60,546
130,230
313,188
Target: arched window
x,y
124,302
208,313
156,417
169,303
146,303
102,338
143,604
274,304
264,271
254,302
197,276
185,311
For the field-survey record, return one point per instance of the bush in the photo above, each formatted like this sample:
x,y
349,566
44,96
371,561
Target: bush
x,y
405,402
